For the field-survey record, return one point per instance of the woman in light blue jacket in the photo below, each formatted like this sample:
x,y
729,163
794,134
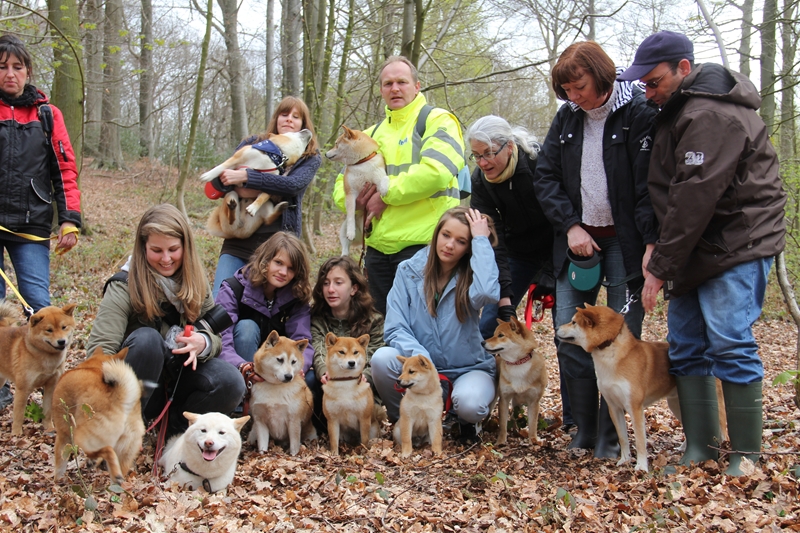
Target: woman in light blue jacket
x,y
433,309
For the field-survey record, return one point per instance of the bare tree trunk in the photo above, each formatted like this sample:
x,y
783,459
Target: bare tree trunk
x,y
93,72
198,93
747,30
590,11
788,79
270,90
292,35
443,29
768,46
146,82
794,310
230,21
407,44
326,67
715,29
110,145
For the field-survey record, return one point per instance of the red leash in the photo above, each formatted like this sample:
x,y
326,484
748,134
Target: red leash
x,y
546,302
448,404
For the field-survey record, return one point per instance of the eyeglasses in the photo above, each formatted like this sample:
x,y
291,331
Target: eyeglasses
x,y
486,156
653,84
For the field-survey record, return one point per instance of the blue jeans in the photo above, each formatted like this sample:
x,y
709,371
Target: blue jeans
x,y
31,263
226,267
576,363
522,273
711,327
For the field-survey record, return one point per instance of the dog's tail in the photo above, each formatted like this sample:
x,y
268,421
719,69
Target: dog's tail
x,y
8,313
119,376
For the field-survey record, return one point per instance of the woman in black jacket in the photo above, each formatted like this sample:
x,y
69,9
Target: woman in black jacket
x,y
592,183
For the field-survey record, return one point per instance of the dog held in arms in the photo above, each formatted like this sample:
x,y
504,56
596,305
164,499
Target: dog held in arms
x,y
238,217
206,454
347,400
363,164
97,407
523,374
421,407
34,355
281,405
631,373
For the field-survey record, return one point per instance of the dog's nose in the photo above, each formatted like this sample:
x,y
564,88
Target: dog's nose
x,y
351,364
208,444
287,377
62,343
483,343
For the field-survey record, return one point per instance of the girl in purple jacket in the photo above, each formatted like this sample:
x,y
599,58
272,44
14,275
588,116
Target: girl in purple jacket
x,y
271,292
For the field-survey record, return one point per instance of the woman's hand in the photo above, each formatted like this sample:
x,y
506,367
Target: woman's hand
x,y
233,177
195,344
67,238
580,242
478,223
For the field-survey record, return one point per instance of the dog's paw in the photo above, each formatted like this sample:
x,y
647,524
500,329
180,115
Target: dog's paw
x,y
252,209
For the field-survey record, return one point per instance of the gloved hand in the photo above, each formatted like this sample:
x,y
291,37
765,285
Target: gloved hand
x,y
546,285
505,312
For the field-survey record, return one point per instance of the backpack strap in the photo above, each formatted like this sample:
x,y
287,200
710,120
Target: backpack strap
x,y
171,314
122,276
422,119
46,118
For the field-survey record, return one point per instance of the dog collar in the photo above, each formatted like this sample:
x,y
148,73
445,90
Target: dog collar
x,y
370,156
206,482
350,378
522,361
605,344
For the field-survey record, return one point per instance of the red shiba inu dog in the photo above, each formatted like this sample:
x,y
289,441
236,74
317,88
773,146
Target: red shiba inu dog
x,y
363,164
276,153
523,374
422,405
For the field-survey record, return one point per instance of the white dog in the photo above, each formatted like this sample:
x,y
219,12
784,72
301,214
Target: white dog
x,y
206,454
363,164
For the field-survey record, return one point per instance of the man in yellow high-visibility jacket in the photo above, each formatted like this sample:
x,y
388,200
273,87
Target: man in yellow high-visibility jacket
x,y
423,176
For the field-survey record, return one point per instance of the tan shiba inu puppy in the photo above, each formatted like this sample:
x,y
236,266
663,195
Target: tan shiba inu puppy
x,y
206,454
523,375
422,405
98,402
363,164
347,401
33,355
631,373
281,405
228,219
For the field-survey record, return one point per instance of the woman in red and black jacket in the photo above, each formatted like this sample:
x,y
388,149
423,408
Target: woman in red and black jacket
x,y
37,170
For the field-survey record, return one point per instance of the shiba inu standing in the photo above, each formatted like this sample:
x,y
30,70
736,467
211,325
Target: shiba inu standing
x,y
421,407
229,219
33,355
347,401
206,454
97,406
363,164
281,405
523,374
631,373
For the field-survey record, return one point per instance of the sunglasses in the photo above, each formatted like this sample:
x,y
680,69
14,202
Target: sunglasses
x,y
487,156
653,84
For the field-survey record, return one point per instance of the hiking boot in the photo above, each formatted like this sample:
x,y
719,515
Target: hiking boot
x,y
469,433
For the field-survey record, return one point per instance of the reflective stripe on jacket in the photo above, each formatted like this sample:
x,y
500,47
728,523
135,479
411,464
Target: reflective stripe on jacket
x,y
423,181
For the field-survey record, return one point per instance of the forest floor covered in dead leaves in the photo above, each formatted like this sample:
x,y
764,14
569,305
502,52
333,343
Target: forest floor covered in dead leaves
x,y
516,487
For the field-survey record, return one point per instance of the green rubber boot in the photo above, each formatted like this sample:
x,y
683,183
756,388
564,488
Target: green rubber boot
x,y
584,400
745,422
700,413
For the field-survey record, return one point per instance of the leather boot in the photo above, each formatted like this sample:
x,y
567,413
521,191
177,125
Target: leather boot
x,y
607,446
700,413
745,422
583,397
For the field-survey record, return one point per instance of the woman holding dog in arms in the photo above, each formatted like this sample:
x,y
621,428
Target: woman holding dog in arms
x,y
166,289
271,292
291,115
433,309
591,181
38,171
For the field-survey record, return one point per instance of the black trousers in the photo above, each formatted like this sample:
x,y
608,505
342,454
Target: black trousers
x,y
381,269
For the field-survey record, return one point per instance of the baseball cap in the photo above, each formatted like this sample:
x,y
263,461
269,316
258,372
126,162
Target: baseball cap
x,y
659,47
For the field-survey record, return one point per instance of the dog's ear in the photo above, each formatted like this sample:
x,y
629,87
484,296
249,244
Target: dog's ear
x,y
330,339
36,318
589,316
122,353
423,361
301,345
191,417
273,338
239,423
98,351
516,326
500,321
401,359
350,134
363,340
69,309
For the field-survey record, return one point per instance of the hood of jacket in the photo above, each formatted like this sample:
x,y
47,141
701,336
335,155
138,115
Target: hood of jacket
x,y
714,81
626,90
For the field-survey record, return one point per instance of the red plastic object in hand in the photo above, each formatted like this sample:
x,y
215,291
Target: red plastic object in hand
x,y
212,192
545,303
188,330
